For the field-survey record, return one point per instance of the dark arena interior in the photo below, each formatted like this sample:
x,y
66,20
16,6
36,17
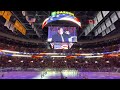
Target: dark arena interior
x,y
59,44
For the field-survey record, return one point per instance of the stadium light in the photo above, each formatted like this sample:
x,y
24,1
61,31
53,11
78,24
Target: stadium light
x,y
16,55
31,61
86,61
76,61
9,61
7,51
107,62
93,56
96,61
21,61
58,56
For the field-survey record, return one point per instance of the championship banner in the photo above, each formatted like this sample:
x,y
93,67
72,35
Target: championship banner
x,y
20,27
1,13
7,24
7,15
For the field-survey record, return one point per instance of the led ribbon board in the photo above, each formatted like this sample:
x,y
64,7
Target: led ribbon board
x,y
61,15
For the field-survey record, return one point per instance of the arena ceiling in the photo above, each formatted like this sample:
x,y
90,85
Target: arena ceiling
x,y
42,15
41,34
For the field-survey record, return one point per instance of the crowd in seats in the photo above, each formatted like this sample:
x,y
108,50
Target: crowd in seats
x,y
37,50
20,46
84,64
81,63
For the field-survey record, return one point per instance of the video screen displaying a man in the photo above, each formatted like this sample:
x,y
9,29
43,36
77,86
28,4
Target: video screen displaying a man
x,y
62,34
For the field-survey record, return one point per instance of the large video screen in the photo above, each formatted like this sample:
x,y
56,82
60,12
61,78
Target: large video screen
x,y
62,34
61,45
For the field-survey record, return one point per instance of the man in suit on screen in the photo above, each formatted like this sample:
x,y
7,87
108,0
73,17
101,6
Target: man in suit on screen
x,y
60,36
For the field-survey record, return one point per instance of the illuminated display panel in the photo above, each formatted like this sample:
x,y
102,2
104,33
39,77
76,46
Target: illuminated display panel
x,y
108,22
114,17
103,33
112,27
99,30
105,13
118,13
108,30
99,16
96,32
103,26
62,34
61,45
61,16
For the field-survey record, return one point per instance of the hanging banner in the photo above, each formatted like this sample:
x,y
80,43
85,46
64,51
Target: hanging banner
x,y
7,24
1,13
7,15
20,27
